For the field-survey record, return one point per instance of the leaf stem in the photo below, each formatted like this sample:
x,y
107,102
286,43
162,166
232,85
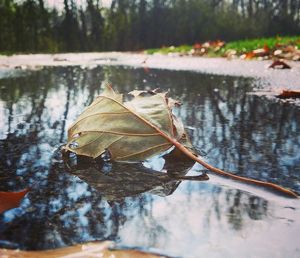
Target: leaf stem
x,y
232,176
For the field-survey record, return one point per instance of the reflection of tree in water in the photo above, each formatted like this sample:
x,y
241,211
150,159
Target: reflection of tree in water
x,y
241,206
246,134
32,134
22,129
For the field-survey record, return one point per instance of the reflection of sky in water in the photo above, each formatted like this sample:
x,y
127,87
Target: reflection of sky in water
x,y
204,225
247,134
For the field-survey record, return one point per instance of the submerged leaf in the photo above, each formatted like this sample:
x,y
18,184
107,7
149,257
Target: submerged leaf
x,y
130,131
10,200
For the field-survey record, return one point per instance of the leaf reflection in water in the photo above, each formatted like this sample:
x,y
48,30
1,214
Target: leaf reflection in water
x,y
129,179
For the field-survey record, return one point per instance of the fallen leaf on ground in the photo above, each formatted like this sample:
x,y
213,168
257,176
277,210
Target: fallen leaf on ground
x,y
279,64
260,52
248,55
10,200
197,46
88,250
209,46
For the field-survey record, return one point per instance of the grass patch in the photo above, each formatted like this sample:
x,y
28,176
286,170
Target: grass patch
x,y
248,45
166,50
240,46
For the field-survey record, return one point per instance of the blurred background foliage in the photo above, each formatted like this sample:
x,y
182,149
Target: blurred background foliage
x,y
93,25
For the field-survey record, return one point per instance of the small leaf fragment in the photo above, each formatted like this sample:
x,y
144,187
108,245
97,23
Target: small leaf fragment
x,y
279,64
10,200
286,94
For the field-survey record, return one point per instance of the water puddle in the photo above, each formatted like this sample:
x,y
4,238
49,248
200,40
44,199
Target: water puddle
x,y
146,205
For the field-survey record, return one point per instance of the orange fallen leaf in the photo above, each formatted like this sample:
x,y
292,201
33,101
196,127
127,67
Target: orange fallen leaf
x,y
197,46
88,250
286,94
9,200
248,55
260,52
266,48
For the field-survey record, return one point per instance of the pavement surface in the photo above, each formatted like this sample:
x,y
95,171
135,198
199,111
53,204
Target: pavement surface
x,y
270,80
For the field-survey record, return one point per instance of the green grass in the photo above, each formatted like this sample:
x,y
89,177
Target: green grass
x,y
166,50
241,46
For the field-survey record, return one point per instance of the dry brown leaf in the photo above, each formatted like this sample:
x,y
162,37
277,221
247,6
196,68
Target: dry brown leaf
x,y
248,55
130,131
87,250
136,130
285,94
279,64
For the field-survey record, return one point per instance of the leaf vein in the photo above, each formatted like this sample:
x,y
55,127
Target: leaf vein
x,y
120,133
